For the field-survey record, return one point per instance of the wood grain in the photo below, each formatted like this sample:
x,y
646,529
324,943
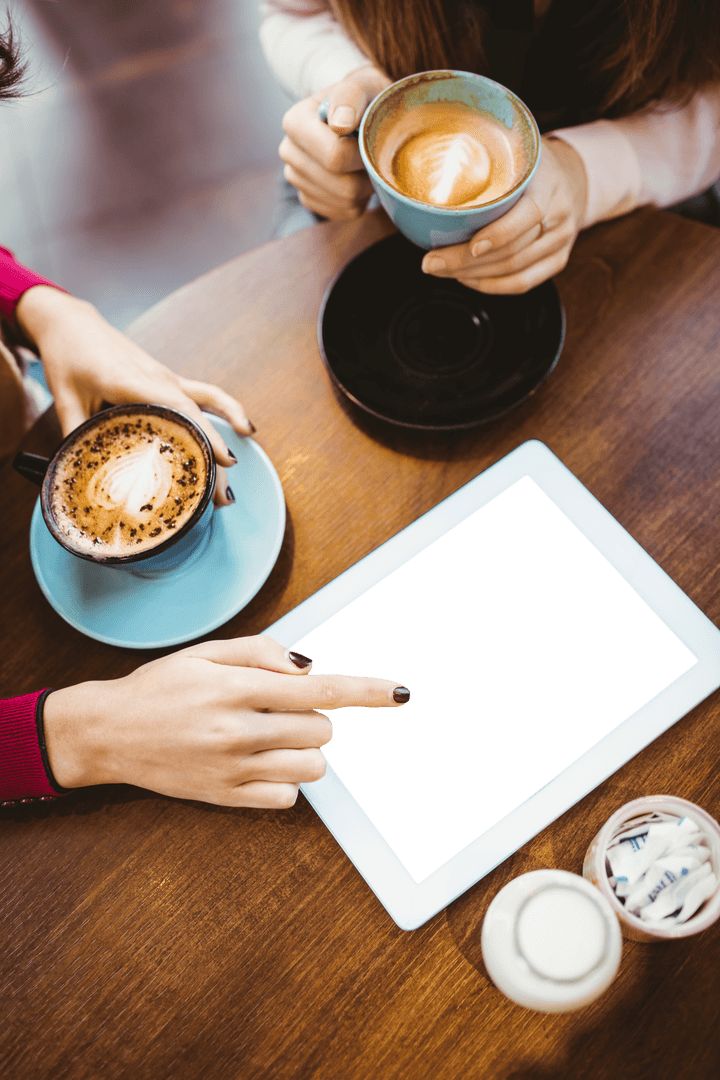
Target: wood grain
x,y
144,937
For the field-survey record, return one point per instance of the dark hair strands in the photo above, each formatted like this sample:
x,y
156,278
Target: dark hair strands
x,y
640,51
12,67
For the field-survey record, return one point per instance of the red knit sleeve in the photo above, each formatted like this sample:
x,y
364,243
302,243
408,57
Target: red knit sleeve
x,y
15,280
24,767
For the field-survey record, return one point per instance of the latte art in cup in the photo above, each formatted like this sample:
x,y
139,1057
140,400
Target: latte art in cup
x,y
447,154
127,484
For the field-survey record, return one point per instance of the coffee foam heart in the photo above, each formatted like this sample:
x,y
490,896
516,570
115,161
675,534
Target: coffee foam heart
x,y
132,480
448,169
128,484
448,154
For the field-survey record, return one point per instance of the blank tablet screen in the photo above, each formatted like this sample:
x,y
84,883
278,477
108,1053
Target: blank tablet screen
x,y
522,647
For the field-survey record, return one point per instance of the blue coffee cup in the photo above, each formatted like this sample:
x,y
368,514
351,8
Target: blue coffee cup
x,y
424,224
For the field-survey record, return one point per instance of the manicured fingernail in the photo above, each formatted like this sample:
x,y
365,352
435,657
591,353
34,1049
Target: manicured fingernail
x,y
230,453
229,494
433,263
480,248
401,694
343,116
299,660
252,427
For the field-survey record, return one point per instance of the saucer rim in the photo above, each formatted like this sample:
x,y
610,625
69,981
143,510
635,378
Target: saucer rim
x,y
470,425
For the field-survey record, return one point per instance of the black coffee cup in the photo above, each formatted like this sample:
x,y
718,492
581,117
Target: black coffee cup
x,y
172,551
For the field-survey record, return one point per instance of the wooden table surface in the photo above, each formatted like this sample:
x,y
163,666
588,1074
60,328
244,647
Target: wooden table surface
x,y
149,938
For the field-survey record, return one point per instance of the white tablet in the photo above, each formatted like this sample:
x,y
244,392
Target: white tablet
x,y
542,647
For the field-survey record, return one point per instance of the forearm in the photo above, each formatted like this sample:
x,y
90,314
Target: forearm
x,y
42,309
653,156
306,52
15,280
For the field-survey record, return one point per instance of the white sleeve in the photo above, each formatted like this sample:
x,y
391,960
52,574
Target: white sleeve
x,y
305,47
657,156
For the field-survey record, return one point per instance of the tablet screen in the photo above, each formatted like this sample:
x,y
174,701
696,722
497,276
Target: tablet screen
x,y
522,647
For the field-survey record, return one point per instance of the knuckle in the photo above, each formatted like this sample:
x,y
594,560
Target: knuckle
x,y
328,693
264,644
290,119
335,158
364,691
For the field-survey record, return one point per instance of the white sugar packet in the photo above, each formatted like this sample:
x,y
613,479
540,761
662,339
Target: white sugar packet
x,y
682,898
638,824
632,854
702,891
664,874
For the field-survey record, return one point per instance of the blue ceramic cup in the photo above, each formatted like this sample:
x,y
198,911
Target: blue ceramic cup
x,y
422,223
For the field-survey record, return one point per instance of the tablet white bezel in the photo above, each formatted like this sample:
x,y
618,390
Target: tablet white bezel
x,y
411,904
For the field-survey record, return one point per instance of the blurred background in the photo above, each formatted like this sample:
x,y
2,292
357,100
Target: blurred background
x,y
144,149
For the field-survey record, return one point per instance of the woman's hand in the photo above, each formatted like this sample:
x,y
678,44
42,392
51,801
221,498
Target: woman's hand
x,y
88,362
324,165
533,240
229,722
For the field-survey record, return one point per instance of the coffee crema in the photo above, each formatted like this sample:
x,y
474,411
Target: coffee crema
x,y
127,485
447,154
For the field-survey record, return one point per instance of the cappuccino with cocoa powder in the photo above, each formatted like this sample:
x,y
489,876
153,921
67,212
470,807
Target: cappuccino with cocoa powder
x,y
447,154
127,483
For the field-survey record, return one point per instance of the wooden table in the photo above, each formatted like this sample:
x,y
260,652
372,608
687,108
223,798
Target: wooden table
x,y
149,938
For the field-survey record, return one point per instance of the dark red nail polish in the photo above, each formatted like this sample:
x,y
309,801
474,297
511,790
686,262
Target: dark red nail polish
x,y
252,427
229,494
230,453
401,694
299,660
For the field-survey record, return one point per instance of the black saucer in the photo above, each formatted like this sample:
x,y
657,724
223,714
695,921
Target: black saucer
x,y
425,352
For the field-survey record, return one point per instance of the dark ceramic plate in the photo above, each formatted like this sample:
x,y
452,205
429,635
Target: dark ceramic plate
x,y
424,352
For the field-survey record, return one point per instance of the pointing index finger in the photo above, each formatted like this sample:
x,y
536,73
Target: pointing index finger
x,y
286,692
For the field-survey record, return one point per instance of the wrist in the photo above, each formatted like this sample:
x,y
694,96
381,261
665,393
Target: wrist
x,y
74,741
573,168
39,310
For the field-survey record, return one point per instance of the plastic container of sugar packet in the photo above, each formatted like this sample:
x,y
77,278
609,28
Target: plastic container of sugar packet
x,y
595,867
550,941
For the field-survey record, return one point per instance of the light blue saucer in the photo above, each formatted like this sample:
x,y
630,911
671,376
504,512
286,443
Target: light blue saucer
x,y
115,606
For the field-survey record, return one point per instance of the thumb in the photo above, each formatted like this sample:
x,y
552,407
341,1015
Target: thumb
x,y
349,99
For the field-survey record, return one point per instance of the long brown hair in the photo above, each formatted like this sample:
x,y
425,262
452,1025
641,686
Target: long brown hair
x,y
634,52
12,69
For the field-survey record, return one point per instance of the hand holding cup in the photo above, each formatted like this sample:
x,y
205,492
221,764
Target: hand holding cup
x,y
320,160
87,363
530,243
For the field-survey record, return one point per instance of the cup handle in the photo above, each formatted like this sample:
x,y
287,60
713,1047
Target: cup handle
x,y
31,466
